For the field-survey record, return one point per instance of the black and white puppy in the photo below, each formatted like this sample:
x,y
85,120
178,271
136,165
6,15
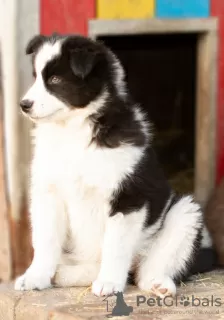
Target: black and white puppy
x,y
100,205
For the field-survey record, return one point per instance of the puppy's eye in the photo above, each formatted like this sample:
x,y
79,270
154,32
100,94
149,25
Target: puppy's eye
x,y
54,80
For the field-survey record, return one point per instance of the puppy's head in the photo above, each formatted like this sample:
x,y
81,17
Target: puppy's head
x,y
69,71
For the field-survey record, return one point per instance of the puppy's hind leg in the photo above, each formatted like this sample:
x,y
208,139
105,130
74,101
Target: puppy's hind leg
x,y
172,249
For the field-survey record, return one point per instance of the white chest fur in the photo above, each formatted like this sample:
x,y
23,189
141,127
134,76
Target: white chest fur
x,y
84,176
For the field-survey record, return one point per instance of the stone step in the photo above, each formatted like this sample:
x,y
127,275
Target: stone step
x,y
81,304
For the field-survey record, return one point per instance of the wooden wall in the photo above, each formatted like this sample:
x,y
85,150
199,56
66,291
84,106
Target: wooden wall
x,y
20,24
5,243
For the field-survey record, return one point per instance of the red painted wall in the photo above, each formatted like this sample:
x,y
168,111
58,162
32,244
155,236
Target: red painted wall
x,y
66,16
217,10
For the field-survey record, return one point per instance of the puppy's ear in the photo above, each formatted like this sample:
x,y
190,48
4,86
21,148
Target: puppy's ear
x,y
82,61
35,43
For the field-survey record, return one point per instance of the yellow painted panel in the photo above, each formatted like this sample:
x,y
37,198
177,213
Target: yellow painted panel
x,y
125,9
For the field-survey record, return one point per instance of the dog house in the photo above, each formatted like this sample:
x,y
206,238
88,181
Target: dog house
x,y
173,54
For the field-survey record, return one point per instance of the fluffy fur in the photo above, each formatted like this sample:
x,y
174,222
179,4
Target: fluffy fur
x,y
100,204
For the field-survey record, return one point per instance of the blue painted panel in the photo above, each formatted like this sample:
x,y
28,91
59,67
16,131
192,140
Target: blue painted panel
x,y
182,8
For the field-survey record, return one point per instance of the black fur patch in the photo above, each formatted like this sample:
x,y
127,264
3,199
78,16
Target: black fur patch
x,y
115,124
173,200
83,69
35,43
147,185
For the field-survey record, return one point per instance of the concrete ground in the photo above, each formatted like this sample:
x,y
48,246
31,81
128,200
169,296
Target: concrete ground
x,y
200,299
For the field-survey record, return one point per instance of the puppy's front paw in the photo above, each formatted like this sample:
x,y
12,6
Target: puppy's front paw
x,y
29,281
103,288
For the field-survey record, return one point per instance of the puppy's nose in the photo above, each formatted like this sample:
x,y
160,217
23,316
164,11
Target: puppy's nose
x,y
26,105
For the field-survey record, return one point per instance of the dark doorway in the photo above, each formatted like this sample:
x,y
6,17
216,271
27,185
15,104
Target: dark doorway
x,y
161,75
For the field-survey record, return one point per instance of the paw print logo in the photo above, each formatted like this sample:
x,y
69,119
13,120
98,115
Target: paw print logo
x,y
184,301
